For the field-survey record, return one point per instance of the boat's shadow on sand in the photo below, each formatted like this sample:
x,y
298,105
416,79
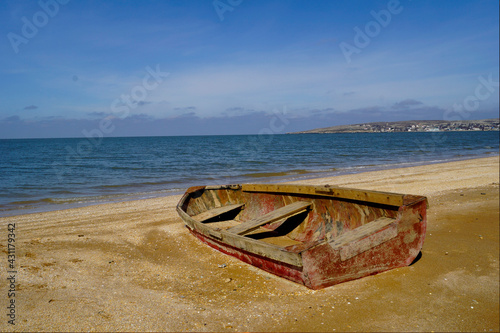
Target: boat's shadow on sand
x,y
417,258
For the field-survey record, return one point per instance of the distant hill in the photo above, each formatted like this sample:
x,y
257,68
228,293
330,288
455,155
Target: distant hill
x,y
412,126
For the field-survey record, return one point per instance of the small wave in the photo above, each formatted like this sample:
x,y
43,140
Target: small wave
x,y
127,168
63,192
323,170
143,184
275,174
25,202
115,186
50,201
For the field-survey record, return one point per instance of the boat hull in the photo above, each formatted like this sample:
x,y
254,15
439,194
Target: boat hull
x,y
341,238
287,271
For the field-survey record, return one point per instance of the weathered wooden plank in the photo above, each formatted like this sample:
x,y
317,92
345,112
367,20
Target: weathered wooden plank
x,y
223,225
378,197
365,237
275,215
283,241
216,212
222,187
261,248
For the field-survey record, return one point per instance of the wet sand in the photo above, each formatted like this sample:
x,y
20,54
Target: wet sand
x,y
133,266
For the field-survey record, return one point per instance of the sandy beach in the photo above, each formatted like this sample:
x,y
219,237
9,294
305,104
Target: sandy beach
x,y
133,266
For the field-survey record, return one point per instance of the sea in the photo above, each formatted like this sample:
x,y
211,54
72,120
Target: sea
x,y
51,174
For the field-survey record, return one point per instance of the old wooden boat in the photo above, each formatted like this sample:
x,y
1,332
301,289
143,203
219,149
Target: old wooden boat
x,y
314,235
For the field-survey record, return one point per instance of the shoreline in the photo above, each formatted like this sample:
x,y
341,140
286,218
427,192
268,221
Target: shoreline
x,y
378,168
307,177
393,180
133,266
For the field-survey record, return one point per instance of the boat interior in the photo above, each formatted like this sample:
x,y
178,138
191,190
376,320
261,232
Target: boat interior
x,y
285,220
298,221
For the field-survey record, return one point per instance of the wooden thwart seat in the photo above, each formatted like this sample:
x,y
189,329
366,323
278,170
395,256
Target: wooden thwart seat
x,y
209,214
273,216
361,239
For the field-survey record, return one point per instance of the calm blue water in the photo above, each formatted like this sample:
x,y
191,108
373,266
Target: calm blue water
x,y
49,174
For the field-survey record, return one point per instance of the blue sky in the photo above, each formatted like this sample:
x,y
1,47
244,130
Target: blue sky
x,y
73,68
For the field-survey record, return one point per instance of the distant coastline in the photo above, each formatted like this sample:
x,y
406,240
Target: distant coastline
x,y
411,126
